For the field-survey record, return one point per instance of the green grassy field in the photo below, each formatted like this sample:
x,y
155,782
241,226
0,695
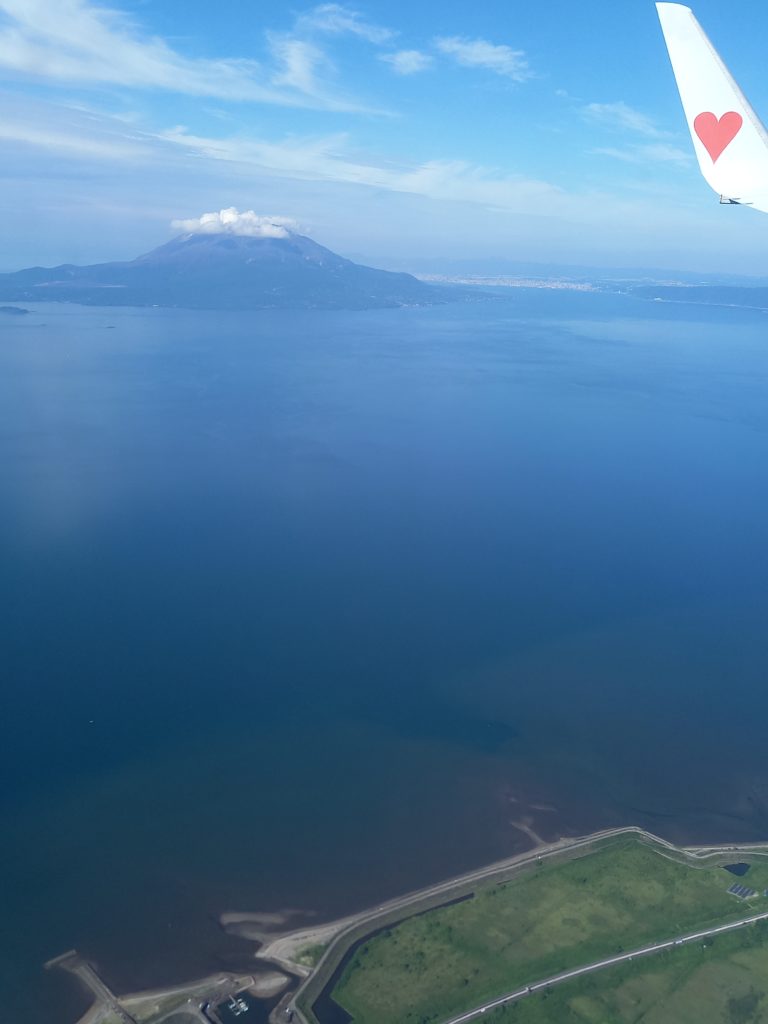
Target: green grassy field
x,y
724,982
547,920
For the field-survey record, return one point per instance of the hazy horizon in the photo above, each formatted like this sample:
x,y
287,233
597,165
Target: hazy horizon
x,y
482,264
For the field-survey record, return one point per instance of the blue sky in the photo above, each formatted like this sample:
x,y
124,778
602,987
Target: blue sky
x,y
546,132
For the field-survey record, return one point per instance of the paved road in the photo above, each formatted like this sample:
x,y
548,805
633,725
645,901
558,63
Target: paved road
x,y
599,965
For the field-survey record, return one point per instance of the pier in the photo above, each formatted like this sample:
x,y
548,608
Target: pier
x,y
75,964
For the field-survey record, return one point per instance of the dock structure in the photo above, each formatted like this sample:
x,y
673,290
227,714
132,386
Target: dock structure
x,y
75,964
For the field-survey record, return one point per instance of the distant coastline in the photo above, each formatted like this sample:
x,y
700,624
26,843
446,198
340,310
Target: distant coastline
x,y
552,283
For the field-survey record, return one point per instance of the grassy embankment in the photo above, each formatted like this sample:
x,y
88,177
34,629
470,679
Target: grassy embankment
x,y
722,982
311,955
549,919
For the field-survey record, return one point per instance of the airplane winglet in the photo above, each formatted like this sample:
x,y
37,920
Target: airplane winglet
x,y
730,141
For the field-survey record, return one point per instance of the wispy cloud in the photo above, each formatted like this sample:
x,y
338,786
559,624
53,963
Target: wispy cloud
x,y
623,118
654,153
334,19
65,141
408,62
70,132
333,159
479,53
327,159
619,119
302,63
297,63
662,153
75,42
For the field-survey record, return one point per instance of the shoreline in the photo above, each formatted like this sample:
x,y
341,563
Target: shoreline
x,y
282,947
350,931
286,952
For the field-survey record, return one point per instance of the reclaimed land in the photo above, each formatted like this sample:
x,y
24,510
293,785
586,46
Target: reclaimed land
x,y
723,980
550,914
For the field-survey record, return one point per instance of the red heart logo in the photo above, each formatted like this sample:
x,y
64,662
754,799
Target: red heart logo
x,y
717,135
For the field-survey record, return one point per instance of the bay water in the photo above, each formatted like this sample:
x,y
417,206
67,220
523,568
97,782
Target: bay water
x,y
304,610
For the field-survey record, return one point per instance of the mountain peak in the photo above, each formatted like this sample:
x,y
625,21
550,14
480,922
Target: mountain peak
x,y
224,246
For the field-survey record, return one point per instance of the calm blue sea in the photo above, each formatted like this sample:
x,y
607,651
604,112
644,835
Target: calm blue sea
x,y
301,610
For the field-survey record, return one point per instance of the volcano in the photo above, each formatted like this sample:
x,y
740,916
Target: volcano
x,y
225,271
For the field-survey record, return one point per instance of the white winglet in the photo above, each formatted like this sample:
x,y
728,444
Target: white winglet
x,y
730,141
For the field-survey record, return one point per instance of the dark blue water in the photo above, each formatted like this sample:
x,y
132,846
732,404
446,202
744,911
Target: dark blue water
x,y
303,610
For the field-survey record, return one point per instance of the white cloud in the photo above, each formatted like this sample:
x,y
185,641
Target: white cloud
x,y
408,62
76,42
299,58
621,117
232,222
298,61
479,53
334,19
